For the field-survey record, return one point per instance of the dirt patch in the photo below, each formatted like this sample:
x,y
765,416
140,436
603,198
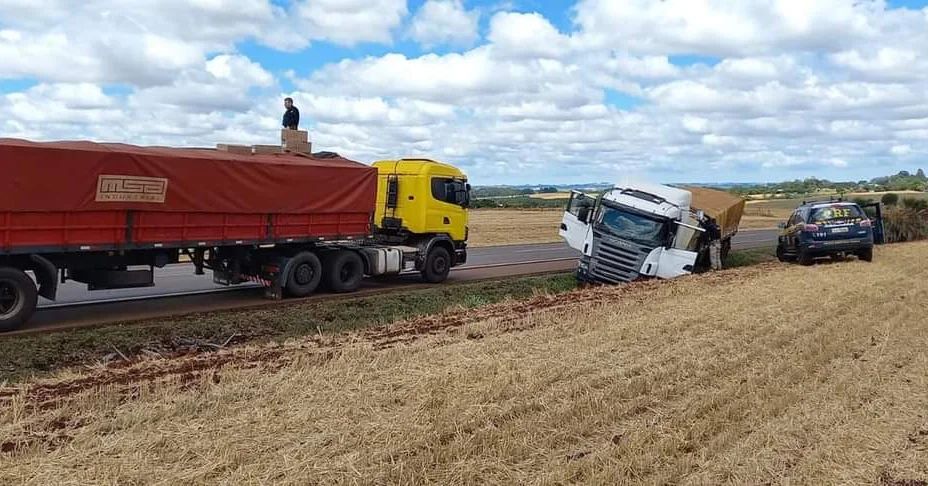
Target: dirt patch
x,y
887,480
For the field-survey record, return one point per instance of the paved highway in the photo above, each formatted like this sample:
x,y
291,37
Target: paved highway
x,y
180,292
179,279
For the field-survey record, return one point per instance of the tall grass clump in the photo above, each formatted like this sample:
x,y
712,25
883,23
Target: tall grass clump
x,y
905,224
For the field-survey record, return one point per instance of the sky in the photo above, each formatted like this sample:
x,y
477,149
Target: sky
x,y
513,92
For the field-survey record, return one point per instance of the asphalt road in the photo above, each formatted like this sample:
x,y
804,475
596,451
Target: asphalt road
x,y
179,279
178,291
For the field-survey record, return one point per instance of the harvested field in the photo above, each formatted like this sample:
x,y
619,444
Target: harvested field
x,y
760,222
767,374
553,195
491,227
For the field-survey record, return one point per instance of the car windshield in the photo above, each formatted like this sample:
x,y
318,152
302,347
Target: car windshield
x,y
831,214
632,226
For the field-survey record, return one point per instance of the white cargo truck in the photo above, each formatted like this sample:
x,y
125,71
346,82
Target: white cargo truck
x,y
639,229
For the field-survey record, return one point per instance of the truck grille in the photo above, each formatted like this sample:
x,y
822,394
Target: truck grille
x,y
616,261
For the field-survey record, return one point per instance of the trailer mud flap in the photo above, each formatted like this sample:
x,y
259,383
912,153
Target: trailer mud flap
x,y
47,276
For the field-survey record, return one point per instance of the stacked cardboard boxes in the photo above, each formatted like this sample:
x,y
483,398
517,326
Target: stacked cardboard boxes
x,y
267,149
295,141
234,149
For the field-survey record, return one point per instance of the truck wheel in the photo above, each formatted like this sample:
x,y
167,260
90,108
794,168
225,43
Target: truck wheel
x,y
805,258
18,298
781,254
305,274
343,271
866,255
437,265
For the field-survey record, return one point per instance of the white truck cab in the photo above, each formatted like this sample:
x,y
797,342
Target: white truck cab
x,y
633,230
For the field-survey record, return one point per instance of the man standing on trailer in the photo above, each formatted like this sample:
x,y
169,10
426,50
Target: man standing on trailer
x,y
291,116
714,233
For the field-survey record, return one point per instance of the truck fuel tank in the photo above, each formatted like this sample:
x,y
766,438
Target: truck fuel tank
x,y
384,261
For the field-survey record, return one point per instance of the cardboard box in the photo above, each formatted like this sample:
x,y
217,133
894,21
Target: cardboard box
x,y
300,148
234,149
267,149
293,136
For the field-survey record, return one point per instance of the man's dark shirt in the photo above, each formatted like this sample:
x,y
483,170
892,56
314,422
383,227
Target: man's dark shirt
x,y
713,231
291,118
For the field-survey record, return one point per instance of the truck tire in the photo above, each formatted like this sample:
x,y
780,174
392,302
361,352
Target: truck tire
x,y
343,271
18,298
437,265
805,258
781,256
866,255
305,275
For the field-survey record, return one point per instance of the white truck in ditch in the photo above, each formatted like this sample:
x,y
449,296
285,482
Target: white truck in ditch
x,y
637,230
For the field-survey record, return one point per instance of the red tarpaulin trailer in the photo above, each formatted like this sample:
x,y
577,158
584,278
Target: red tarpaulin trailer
x,y
83,194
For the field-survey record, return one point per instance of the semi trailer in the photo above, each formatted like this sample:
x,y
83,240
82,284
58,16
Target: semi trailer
x,y
107,215
640,230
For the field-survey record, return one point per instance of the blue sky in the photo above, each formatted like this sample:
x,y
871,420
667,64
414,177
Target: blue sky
x,y
540,91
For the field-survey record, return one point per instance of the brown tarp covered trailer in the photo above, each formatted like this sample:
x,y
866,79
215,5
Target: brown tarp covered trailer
x,y
87,176
726,208
63,196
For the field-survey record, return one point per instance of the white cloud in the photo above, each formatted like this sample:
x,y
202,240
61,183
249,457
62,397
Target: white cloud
x,y
444,22
221,83
736,27
526,36
900,150
782,89
349,22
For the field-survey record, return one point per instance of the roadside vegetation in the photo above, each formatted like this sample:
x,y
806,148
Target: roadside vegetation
x,y
519,202
903,181
772,373
24,356
907,221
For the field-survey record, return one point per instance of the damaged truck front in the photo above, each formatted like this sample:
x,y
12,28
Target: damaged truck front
x,y
646,230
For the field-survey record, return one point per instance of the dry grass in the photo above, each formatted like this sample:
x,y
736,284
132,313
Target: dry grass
x,y
771,374
760,222
552,195
491,227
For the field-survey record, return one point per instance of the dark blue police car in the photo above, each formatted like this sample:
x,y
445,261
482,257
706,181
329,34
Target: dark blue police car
x,y
821,229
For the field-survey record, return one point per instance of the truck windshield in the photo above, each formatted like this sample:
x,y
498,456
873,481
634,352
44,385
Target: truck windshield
x,y
632,226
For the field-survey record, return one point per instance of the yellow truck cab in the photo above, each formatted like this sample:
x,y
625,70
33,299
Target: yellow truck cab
x,y
423,203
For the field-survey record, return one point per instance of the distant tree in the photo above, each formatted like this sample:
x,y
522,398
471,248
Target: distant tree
x,y
547,190
890,199
921,175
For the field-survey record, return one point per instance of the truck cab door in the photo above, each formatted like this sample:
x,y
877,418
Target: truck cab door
x,y
669,263
576,222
